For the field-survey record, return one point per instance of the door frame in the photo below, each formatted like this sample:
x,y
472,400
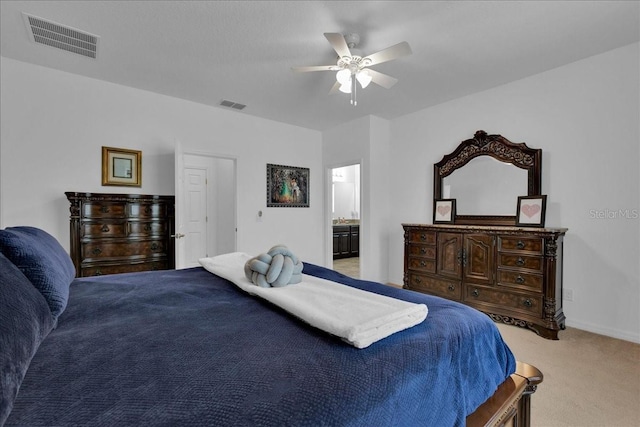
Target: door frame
x,y
328,211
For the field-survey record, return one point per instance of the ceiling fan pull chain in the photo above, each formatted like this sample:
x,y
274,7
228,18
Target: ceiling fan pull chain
x,y
354,101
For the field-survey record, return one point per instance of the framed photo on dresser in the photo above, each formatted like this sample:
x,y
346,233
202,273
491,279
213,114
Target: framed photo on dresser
x,y
444,211
531,210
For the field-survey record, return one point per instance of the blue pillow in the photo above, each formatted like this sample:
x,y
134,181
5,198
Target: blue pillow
x,y
25,320
45,263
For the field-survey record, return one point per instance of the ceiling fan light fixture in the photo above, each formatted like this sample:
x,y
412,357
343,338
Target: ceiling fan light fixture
x,y
346,87
364,78
343,76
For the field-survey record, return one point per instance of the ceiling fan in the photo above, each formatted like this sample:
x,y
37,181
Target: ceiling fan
x,y
351,67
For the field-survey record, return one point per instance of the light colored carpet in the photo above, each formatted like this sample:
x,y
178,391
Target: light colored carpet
x,y
589,379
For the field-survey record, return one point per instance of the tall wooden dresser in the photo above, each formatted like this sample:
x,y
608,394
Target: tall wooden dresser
x,y
120,233
513,274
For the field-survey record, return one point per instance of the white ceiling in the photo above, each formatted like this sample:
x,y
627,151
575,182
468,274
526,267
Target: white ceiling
x,y
243,51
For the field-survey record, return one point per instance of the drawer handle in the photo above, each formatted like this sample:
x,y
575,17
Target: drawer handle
x,y
451,288
475,293
520,261
423,263
527,303
147,210
423,237
520,280
105,229
520,244
154,246
147,227
104,209
98,273
418,280
96,251
423,251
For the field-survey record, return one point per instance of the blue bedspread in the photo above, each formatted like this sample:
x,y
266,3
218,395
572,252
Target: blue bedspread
x,y
188,348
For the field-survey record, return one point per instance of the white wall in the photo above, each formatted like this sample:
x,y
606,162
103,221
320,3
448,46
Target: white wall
x,y
585,118
53,125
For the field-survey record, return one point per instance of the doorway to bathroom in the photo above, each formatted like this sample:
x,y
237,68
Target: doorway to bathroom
x,y
345,219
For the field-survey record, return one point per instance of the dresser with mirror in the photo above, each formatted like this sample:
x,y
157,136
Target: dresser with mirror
x,y
483,255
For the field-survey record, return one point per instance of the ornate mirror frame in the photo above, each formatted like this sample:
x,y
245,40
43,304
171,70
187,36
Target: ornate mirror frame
x,y
500,148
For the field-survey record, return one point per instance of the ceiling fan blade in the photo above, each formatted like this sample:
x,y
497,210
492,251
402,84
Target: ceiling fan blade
x,y
396,51
382,79
338,44
335,88
315,68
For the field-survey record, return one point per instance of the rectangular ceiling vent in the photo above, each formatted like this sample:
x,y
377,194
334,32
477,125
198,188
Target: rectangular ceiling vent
x,y
232,104
61,37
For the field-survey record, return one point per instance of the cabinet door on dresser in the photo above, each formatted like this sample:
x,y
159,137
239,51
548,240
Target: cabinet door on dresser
x,y
477,258
450,255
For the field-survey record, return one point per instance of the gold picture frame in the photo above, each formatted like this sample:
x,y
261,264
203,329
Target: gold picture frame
x,y
121,167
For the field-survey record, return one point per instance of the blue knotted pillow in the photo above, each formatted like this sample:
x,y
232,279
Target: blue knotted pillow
x,y
278,267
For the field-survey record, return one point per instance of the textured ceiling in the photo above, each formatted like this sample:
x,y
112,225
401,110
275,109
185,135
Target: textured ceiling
x,y
207,51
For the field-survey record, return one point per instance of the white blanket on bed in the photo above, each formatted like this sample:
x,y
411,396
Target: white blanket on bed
x,y
359,317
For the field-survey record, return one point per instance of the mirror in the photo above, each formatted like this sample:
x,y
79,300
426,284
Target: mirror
x,y
346,193
495,194
485,175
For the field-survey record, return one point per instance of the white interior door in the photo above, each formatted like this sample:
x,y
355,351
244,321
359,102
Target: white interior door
x,y
196,216
179,205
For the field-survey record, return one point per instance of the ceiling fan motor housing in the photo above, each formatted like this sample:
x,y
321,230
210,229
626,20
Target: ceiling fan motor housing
x,y
352,40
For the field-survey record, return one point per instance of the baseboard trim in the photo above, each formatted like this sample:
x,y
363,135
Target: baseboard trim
x,y
613,333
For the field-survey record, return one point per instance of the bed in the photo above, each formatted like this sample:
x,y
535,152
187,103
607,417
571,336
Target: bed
x,y
189,348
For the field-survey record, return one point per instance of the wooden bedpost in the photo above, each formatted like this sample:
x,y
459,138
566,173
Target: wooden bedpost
x,y
510,405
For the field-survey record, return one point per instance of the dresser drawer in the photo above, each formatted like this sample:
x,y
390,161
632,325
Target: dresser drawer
x,y
422,236
424,251
103,229
99,270
500,299
93,250
524,244
520,280
445,288
146,228
104,210
422,264
533,263
146,210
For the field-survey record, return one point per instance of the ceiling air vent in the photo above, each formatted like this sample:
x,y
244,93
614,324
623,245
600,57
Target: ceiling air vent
x,y
232,104
65,38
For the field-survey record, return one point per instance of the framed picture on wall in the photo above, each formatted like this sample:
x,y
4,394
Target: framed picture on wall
x,y
531,210
444,211
121,167
287,186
